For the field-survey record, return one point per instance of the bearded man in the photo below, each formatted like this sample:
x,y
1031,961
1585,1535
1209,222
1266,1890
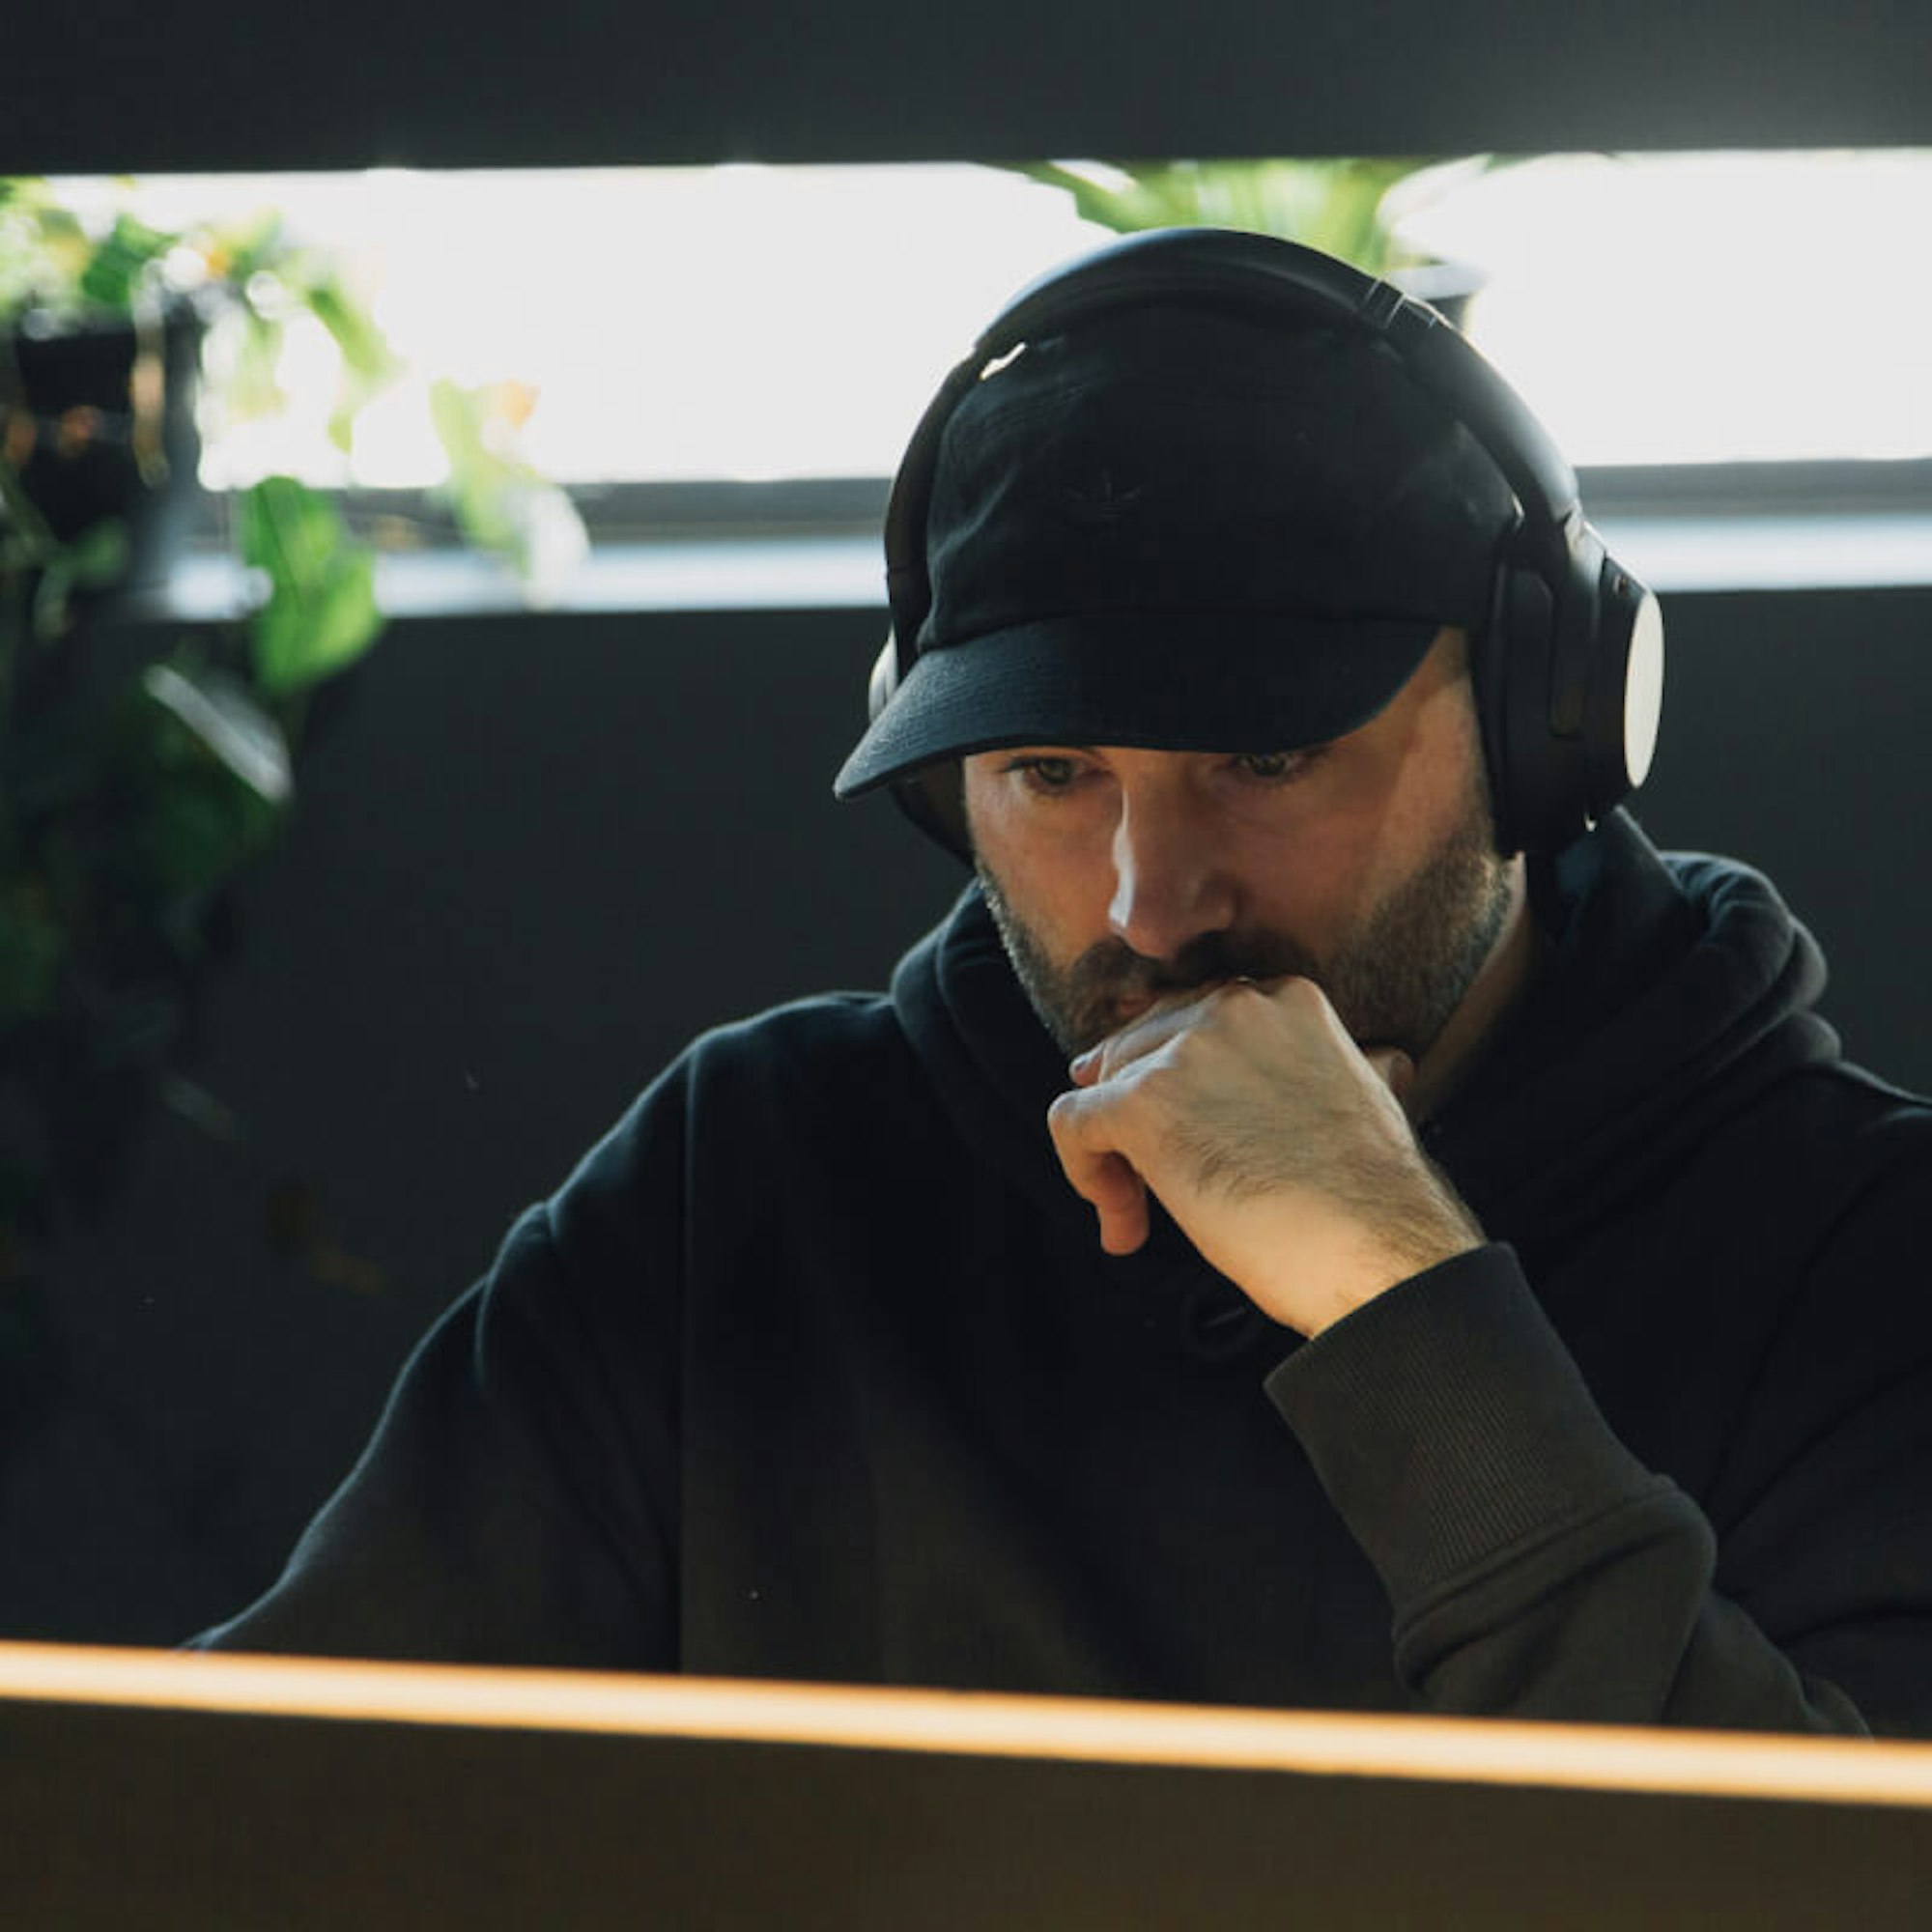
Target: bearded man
x,y
1332,1217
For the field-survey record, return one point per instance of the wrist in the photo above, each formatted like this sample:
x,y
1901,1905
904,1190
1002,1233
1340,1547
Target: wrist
x,y
1378,1266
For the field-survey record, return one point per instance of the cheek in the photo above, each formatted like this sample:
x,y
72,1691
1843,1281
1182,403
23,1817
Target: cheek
x,y
1059,903
981,797
1313,888
1049,876
1403,803
1037,888
1320,876
990,825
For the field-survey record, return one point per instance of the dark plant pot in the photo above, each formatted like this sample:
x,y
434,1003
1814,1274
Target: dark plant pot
x,y
101,422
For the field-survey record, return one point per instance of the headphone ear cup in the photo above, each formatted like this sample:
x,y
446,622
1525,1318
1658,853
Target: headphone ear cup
x,y
1569,693
1510,669
1489,682
934,799
1626,697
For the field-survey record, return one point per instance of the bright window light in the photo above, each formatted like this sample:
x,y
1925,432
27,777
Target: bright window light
x,y
1700,308
762,322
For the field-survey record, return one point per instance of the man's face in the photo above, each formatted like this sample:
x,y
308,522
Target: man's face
x,y
1369,866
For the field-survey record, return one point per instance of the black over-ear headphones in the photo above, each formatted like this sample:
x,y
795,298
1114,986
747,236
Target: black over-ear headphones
x,y
1568,671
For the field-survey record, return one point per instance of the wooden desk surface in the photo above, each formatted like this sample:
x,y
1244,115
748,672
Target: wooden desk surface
x,y
157,1789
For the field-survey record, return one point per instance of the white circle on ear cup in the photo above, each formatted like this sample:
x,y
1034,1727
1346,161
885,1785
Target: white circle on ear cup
x,y
884,680
1643,690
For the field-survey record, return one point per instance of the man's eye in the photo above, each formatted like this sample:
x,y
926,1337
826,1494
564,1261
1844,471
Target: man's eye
x,y
1046,775
1272,767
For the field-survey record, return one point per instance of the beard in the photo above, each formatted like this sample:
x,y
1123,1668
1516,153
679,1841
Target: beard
x,y
1394,979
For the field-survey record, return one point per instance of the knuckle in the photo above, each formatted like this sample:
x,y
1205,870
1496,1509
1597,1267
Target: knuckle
x,y
1161,1081
1303,995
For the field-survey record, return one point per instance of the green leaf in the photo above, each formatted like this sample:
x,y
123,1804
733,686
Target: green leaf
x,y
197,836
221,716
1340,207
254,387
369,365
246,246
365,348
52,613
94,559
207,774
320,611
478,474
99,556
502,502
121,261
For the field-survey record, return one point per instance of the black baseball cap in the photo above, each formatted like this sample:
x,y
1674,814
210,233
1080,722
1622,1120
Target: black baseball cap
x,y
1185,528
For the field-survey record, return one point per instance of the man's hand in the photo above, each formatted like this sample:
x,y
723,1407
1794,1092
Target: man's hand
x,y
1281,1150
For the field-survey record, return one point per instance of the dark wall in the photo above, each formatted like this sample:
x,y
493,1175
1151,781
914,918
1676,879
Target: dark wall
x,y
532,856
202,84
1794,738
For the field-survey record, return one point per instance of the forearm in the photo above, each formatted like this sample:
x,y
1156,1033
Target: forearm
x,y
1534,1565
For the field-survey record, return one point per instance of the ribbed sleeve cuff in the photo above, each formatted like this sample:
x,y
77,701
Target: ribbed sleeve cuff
x,y
1448,1424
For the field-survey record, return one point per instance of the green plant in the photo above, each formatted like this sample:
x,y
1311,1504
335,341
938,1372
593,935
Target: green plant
x,y
1347,208
136,788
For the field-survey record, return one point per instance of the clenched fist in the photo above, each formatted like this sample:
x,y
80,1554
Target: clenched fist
x,y
1279,1148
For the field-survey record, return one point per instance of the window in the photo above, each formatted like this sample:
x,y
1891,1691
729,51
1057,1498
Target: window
x,y
703,326
753,322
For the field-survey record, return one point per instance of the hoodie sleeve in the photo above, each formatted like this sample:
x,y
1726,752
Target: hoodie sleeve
x,y
515,1506
1537,1569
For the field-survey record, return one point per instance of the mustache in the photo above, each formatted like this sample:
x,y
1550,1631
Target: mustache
x,y
1111,969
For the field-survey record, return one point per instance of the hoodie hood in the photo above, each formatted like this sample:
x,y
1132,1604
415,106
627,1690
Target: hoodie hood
x,y
1675,989
994,1066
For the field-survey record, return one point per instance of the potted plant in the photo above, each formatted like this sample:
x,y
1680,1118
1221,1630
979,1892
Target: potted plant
x,y
135,786
1350,207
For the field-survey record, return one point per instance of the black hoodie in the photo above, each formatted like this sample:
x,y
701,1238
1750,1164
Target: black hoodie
x,y
814,1368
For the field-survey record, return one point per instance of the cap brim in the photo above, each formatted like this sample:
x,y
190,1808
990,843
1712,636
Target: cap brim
x,y
1214,682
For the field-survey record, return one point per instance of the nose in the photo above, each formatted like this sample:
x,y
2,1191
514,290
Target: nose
x,y
1171,878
